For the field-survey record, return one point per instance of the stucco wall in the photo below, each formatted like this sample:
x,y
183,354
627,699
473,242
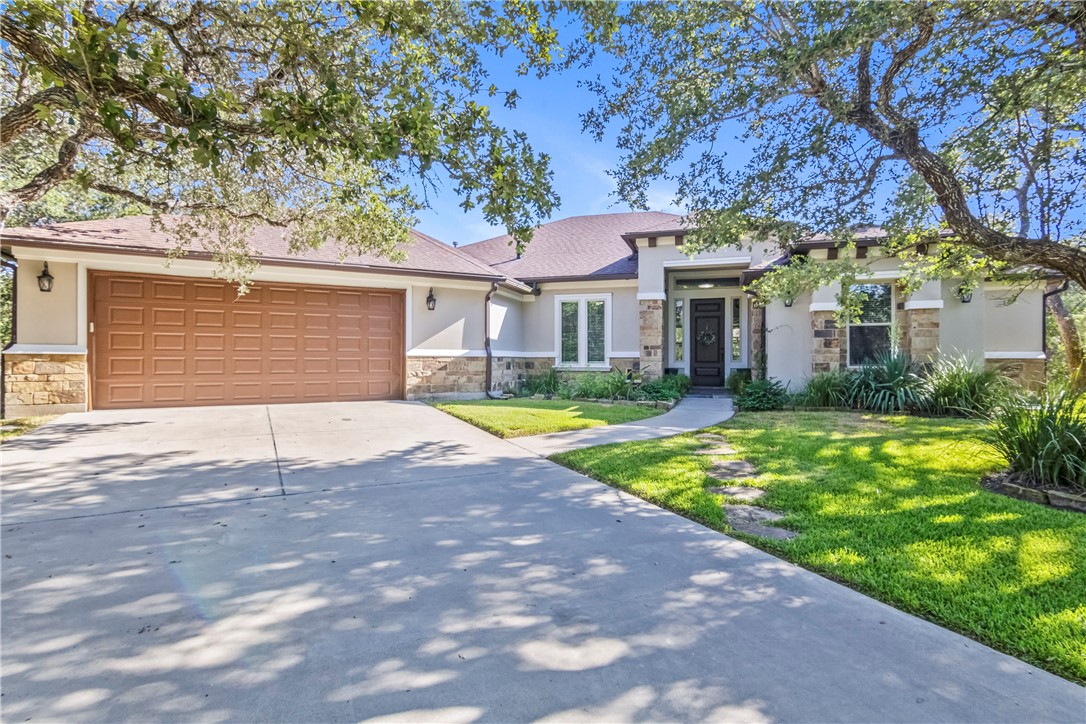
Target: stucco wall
x,y
47,318
455,324
788,342
652,262
1016,327
506,324
961,326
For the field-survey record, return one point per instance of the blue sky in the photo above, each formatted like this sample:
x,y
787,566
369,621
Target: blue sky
x,y
549,112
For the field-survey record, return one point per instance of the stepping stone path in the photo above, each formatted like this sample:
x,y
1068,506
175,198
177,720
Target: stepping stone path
x,y
738,491
709,437
749,519
732,470
723,449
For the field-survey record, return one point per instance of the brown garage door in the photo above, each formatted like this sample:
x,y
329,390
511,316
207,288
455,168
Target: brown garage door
x,y
165,341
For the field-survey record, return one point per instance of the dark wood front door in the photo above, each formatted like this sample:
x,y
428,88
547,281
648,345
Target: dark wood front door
x,y
707,365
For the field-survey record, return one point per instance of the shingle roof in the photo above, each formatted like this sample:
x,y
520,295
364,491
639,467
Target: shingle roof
x,y
580,246
135,234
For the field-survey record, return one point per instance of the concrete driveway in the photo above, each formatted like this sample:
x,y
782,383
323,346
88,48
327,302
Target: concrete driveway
x,y
344,562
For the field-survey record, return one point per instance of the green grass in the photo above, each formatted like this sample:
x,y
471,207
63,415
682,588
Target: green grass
x,y
892,507
22,425
517,418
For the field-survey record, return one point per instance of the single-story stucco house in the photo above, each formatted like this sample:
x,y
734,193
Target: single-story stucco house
x,y
102,322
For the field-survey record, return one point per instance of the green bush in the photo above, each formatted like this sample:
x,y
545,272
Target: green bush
x,y
1044,441
892,383
827,389
737,380
959,386
762,395
668,387
545,383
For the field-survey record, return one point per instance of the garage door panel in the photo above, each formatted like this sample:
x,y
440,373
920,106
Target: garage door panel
x,y
174,341
168,365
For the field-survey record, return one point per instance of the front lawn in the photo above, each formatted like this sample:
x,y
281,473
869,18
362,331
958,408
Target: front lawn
x,y
21,425
517,418
891,506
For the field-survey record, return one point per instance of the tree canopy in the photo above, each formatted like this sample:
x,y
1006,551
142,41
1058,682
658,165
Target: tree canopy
x,y
332,119
965,117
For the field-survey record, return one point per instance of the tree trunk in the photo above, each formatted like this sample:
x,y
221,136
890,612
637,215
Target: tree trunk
x,y
1072,341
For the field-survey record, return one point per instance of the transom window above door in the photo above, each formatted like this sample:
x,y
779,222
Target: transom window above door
x,y
725,283
583,330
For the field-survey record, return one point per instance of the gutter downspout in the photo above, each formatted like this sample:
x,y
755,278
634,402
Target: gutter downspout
x,y
486,343
8,264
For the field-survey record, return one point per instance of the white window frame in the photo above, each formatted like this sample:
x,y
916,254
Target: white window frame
x,y
582,331
889,325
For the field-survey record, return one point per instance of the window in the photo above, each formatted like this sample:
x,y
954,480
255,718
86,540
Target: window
x,y
707,283
582,330
737,332
869,336
680,330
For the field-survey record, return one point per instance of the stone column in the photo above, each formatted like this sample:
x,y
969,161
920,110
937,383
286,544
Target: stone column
x,y
830,348
651,312
757,360
920,333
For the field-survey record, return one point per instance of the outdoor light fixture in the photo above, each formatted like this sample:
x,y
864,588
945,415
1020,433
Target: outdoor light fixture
x,y
788,301
431,300
45,279
964,294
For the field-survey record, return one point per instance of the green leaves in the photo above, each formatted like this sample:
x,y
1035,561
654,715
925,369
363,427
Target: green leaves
x,y
280,111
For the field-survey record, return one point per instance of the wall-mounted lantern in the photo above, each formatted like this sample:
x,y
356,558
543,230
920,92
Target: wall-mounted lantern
x,y
788,301
45,279
431,300
965,294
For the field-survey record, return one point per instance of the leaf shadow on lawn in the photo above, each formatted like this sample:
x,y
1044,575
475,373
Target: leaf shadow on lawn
x,y
893,508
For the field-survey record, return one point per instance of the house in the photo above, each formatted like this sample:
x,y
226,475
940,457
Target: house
x,y
102,321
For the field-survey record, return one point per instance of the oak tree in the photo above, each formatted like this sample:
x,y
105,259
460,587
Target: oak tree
x,y
331,119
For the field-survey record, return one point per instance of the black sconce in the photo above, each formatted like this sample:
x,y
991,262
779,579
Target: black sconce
x,y
45,279
788,301
965,294
431,300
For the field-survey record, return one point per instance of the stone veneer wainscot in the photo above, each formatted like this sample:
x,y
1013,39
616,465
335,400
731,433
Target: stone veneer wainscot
x,y
44,384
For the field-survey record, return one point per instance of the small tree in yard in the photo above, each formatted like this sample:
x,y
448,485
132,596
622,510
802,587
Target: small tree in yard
x,y
330,119
959,122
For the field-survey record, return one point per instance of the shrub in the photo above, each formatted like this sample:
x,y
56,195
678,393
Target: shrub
x,y
737,380
827,389
588,385
545,383
962,387
1044,442
761,395
668,387
891,383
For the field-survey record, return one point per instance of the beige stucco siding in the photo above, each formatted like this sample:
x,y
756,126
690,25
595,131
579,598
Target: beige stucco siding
x,y
506,324
961,326
653,262
455,324
1014,327
48,318
788,342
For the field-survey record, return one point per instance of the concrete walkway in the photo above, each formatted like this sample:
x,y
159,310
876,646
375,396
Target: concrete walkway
x,y
690,414
386,561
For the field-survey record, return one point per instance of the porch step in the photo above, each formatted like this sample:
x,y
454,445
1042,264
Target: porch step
x,y
707,392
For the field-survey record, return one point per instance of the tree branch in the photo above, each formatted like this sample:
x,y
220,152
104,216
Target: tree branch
x,y
20,118
47,178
